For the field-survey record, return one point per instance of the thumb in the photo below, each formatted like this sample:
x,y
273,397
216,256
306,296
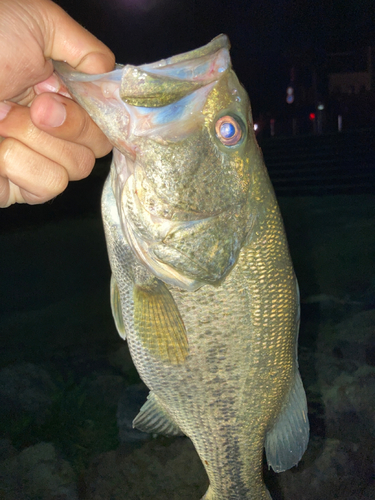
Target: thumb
x,y
66,40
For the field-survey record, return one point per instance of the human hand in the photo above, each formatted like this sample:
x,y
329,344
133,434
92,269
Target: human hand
x,y
48,138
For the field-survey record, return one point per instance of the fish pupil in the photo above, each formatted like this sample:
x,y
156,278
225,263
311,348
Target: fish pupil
x,y
227,130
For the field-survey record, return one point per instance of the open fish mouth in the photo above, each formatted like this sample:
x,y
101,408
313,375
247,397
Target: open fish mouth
x,y
159,83
169,80
161,99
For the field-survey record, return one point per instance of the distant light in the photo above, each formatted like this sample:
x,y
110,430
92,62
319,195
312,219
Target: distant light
x,y
312,116
290,95
320,107
256,126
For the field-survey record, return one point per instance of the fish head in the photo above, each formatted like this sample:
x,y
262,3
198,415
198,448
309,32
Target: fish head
x,y
182,170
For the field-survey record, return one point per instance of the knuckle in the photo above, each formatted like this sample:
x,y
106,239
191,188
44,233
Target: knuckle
x,y
105,149
79,125
79,160
89,134
16,123
87,127
80,129
86,162
9,149
56,181
43,177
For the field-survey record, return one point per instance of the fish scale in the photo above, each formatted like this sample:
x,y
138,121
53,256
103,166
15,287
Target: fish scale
x,y
203,288
208,415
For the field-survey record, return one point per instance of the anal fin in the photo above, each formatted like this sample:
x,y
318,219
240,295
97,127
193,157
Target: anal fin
x,y
158,322
153,418
287,441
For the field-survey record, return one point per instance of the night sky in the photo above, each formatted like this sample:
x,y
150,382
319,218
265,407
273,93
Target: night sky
x,y
266,36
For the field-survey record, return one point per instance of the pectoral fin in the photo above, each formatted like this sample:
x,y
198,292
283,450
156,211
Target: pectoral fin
x,y
158,322
287,441
116,308
153,418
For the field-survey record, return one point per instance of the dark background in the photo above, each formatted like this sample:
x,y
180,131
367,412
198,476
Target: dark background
x,y
69,391
268,38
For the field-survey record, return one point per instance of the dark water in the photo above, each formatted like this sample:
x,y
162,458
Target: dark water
x,y
69,391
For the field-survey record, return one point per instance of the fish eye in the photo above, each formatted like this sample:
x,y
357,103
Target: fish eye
x,y
228,130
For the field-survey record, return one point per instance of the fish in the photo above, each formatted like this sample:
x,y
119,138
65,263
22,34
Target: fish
x,y
203,288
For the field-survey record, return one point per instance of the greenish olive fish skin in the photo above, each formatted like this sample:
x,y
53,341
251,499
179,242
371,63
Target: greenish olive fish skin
x,y
203,287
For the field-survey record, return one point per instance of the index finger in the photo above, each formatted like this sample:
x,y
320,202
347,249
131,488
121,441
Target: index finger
x,y
76,125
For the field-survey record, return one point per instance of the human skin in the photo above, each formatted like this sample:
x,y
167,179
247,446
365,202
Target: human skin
x,y
48,140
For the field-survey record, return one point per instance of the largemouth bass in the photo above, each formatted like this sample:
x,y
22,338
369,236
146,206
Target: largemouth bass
x,y
203,287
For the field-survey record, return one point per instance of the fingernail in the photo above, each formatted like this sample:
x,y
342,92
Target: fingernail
x,y
55,114
96,62
52,84
4,110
